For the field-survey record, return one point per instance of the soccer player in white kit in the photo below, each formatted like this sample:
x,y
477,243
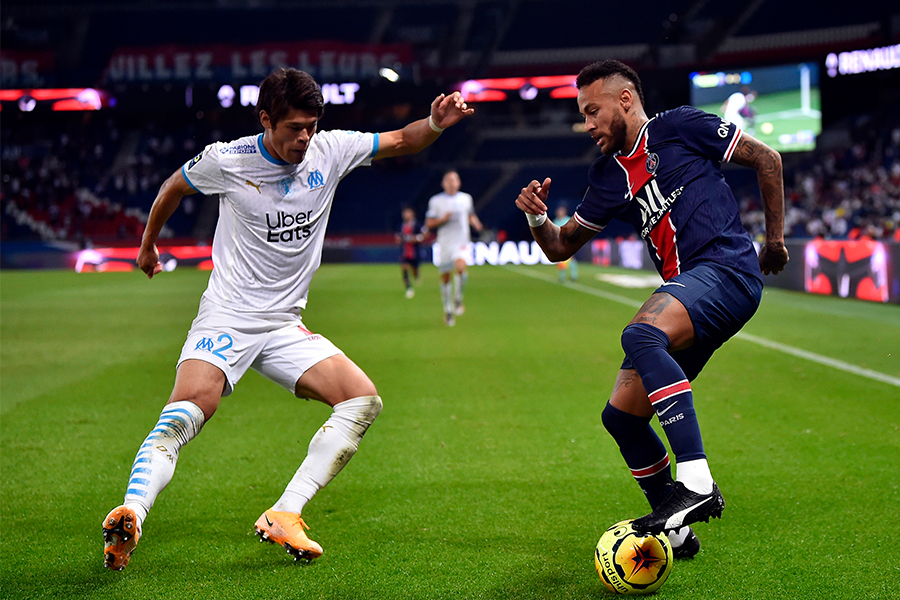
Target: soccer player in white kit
x,y
275,195
451,212
737,106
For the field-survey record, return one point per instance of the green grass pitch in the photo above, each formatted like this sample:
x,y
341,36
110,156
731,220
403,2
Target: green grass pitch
x,y
488,474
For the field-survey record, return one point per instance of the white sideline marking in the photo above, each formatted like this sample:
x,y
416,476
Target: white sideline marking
x,y
810,356
822,360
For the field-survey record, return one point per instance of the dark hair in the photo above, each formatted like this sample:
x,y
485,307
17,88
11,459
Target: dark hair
x,y
603,69
285,89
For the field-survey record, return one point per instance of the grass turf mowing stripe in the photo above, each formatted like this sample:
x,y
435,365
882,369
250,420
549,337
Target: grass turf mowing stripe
x,y
786,349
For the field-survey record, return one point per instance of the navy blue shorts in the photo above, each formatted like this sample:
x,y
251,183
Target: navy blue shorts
x,y
719,301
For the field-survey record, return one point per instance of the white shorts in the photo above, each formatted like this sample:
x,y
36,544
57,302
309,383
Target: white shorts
x,y
275,345
450,253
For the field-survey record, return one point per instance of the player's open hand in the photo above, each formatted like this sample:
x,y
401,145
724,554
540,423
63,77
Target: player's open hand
x,y
533,198
148,261
449,110
773,257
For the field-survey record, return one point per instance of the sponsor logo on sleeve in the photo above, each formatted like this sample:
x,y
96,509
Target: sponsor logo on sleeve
x,y
194,161
723,128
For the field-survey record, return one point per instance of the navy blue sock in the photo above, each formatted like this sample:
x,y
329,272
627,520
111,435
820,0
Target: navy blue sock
x,y
643,452
667,387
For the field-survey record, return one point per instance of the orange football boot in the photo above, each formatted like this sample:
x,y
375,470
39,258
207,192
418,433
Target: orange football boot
x,y
287,530
121,533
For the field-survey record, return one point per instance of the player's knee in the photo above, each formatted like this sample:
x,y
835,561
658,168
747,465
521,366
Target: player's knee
x,y
367,389
622,424
375,405
608,417
207,401
638,338
359,386
361,411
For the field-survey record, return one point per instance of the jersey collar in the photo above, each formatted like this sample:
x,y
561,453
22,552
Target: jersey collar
x,y
639,139
266,155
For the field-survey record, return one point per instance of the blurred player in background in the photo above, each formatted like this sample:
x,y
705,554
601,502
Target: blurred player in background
x,y
275,195
410,237
566,267
737,109
662,176
451,213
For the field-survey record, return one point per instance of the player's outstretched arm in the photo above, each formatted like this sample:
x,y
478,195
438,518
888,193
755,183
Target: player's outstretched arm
x,y
167,200
475,222
558,243
752,153
418,135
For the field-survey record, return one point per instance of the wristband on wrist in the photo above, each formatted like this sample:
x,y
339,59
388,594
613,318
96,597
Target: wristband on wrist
x,y
535,221
433,126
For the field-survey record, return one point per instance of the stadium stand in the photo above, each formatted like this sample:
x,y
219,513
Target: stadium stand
x,y
91,178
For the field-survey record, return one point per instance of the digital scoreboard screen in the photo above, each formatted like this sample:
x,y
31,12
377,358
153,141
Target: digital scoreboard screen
x,y
780,106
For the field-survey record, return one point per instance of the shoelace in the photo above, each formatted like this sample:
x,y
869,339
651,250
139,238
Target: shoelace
x,y
301,523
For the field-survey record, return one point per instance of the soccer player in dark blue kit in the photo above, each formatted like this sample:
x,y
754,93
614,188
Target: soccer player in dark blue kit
x,y
663,176
410,237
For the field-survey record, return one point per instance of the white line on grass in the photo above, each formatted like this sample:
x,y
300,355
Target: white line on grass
x,y
822,360
810,356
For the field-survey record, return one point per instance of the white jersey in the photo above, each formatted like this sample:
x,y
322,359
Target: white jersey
x,y
455,232
272,215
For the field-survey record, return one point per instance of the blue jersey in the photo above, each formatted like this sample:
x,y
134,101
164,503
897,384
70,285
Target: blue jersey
x,y
671,189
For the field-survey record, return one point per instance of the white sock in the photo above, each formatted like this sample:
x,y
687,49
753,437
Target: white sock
x,y
447,296
332,447
695,475
459,283
155,462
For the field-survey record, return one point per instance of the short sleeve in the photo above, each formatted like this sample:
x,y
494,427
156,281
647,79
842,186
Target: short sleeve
x,y
349,149
432,212
708,134
603,199
591,214
203,172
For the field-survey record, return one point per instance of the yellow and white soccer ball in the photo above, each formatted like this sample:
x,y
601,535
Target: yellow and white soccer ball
x,y
629,562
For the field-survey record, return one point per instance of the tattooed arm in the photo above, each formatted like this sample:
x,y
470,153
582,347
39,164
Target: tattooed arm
x,y
561,243
558,243
752,153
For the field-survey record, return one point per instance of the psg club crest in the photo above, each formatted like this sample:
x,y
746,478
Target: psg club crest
x,y
652,162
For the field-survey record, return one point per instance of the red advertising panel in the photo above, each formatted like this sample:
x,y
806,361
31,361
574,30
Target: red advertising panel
x,y
849,269
527,88
105,260
59,99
